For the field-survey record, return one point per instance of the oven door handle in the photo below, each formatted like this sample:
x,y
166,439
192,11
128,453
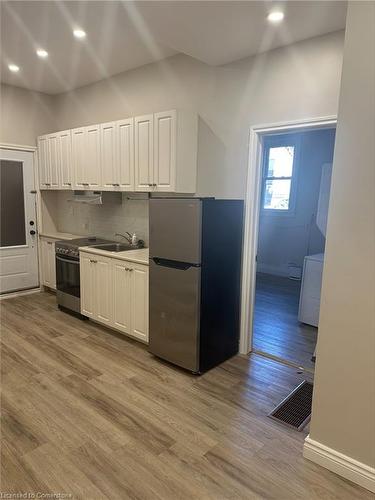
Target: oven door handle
x,y
76,262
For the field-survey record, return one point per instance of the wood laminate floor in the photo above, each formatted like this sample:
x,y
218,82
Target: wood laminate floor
x,y
277,330
92,414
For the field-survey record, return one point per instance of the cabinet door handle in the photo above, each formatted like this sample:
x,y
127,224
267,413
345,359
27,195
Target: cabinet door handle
x,y
130,270
49,242
93,261
115,184
150,185
85,183
154,185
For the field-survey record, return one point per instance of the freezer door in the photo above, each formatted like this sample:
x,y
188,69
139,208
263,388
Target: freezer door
x,y
174,313
175,229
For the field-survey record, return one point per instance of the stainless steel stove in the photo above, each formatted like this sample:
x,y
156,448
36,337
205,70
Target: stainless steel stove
x,y
68,292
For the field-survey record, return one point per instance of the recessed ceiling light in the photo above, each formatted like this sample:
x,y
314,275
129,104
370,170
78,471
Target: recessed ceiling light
x,y
79,33
42,53
275,16
14,68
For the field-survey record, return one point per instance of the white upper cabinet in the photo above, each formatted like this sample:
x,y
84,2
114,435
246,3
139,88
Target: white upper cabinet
x,y
65,159
86,157
125,152
48,161
92,160
143,152
108,140
78,157
54,160
117,155
155,152
165,151
43,162
175,149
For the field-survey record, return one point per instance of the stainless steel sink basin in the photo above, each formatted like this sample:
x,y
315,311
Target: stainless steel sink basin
x,y
115,247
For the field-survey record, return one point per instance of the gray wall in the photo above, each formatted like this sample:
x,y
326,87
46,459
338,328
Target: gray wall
x,y
24,115
344,394
286,238
297,81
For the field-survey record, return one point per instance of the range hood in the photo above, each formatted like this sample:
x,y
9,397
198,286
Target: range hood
x,y
89,197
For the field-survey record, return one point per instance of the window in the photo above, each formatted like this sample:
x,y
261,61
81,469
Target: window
x,y
278,175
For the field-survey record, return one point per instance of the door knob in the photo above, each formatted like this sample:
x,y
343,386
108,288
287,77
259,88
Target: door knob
x,y
32,232
31,223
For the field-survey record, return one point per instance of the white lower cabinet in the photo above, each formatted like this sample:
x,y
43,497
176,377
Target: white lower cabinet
x,y
47,262
96,289
115,293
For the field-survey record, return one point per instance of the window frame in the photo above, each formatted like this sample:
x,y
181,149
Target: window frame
x,y
274,142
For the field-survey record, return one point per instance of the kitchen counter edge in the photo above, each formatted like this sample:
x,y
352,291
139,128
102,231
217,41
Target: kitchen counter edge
x,y
138,256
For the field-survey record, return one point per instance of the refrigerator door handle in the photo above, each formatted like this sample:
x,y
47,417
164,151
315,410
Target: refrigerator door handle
x,y
174,264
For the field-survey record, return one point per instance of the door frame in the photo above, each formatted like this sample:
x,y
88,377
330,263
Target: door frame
x,y
252,212
34,151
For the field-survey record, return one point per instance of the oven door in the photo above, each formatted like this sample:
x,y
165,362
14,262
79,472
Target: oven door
x,y
67,276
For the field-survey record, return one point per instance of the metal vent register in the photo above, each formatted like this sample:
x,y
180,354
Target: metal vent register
x,y
295,409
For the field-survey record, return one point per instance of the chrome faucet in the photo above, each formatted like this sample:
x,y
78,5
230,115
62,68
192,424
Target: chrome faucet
x,y
127,236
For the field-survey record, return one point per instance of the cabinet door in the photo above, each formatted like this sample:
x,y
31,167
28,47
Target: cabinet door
x,y
165,151
108,139
43,160
48,263
143,153
78,157
125,152
139,292
92,157
46,268
103,289
87,282
54,162
122,296
65,152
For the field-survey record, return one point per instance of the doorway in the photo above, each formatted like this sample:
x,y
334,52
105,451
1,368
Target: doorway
x,y
18,234
293,206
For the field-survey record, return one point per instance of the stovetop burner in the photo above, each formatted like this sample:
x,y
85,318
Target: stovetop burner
x,y
70,247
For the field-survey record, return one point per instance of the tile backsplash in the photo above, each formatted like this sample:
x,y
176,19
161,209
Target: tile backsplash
x,y
119,212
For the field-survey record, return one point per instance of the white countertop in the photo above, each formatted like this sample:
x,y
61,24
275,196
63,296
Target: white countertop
x,y
139,256
60,236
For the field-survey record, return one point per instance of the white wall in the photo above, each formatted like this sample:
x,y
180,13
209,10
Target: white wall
x,y
296,81
117,215
24,115
344,393
286,238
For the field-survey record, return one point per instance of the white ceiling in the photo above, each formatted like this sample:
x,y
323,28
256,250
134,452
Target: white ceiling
x,y
125,35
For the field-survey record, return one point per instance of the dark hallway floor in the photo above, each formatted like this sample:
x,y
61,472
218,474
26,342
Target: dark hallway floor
x,y
277,330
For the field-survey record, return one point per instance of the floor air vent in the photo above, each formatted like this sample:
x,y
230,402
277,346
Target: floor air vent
x,y
295,409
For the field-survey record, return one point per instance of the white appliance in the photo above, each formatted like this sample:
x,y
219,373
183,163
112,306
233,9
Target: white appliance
x,y
309,301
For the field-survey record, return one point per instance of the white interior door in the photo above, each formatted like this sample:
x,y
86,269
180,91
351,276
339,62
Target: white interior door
x,y
18,234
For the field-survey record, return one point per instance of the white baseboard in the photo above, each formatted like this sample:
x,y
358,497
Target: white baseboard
x,y
341,464
12,295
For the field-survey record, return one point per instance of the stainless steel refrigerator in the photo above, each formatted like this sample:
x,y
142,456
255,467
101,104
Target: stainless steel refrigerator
x,y
195,276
